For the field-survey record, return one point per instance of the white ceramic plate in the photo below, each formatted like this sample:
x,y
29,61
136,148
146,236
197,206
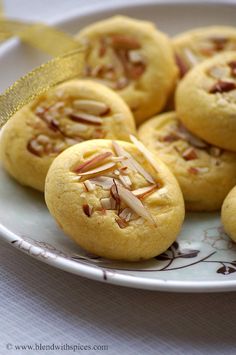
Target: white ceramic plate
x,y
202,260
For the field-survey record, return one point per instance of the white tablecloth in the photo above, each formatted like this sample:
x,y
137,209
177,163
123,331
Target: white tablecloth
x,y
41,306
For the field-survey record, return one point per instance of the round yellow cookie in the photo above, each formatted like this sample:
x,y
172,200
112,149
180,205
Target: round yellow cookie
x,y
228,214
72,112
114,200
133,58
205,173
206,100
194,46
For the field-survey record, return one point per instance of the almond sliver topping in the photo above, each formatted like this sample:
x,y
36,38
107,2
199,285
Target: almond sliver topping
x,y
131,162
190,138
102,181
192,59
128,215
88,210
89,186
134,203
190,154
108,203
121,223
91,106
125,181
144,191
98,170
145,153
93,162
86,118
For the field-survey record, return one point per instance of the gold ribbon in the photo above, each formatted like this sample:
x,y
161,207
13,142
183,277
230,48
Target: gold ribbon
x,y
63,67
43,37
38,81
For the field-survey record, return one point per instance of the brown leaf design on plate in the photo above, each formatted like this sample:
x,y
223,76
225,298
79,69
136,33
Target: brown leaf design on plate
x,y
188,253
226,270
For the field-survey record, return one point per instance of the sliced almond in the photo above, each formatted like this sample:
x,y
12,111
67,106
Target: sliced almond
x,y
93,162
218,72
135,56
145,153
197,170
190,154
124,41
222,86
125,181
91,106
108,203
89,185
144,191
131,163
100,169
128,215
134,203
121,223
35,148
88,210
43,139
190,138
191,57
103,181
76,128
86,118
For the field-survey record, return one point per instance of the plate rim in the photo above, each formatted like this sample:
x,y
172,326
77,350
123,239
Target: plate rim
x,y
101,273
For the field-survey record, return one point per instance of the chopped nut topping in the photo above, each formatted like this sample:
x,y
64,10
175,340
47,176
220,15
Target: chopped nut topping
x,y
86,118
91,106
144,191
191,57
131,163
134,203
89,186
124,42
218,72
197,170
100,169
190,154
87,210
93,162
121,223
222,86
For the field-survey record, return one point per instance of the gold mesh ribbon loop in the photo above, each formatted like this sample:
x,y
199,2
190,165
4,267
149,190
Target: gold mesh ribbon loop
x,y
43,37
38,81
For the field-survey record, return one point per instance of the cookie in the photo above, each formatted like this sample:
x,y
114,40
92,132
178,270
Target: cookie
x,y
205,173
206,100
133,58
228,214
115,199
192,47
69,114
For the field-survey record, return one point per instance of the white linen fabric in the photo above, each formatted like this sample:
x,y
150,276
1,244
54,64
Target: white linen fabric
x,y
47,308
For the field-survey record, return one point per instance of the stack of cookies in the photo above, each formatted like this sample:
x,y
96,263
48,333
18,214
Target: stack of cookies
x,y
116,196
